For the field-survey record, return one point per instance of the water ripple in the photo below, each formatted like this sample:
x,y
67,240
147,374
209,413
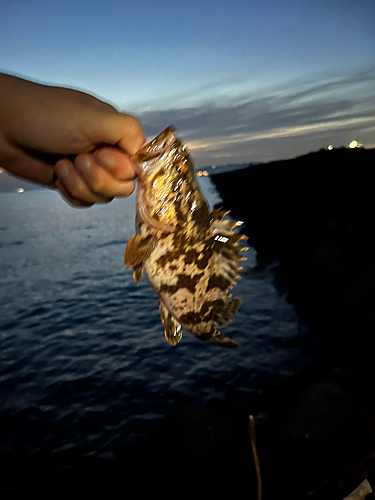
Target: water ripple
x,y
86,377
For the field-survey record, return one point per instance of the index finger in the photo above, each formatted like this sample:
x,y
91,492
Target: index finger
x,y
116,162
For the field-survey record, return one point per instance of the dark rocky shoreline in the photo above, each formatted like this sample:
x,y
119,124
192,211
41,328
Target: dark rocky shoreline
x,y
311,220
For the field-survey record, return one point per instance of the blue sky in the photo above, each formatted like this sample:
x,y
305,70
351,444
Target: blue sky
x,y
241,80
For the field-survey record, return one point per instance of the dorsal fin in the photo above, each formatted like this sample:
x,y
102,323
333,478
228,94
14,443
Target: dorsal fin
x,y
226,245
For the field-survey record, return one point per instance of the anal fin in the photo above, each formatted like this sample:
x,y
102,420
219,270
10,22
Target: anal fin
x,y
217,338
172,328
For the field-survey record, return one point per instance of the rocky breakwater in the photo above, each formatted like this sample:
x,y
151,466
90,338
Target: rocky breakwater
x,y
312,221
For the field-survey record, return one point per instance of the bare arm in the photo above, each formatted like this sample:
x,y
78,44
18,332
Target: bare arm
x,y
68,140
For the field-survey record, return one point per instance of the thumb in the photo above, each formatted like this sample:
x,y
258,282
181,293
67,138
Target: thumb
x,y
121,129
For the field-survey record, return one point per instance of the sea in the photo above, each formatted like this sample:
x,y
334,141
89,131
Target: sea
x,y
86,376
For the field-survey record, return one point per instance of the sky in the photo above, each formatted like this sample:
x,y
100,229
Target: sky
x,y
240,80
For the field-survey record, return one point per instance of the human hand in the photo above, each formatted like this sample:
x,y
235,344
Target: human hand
x,y
67,140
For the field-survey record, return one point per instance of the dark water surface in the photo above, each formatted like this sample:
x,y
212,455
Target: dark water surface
x,y
86,376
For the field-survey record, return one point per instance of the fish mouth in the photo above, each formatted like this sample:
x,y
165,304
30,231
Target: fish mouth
x,y
147,157
147,163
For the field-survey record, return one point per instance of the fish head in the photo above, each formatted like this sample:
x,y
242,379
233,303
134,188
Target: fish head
x,y
167,180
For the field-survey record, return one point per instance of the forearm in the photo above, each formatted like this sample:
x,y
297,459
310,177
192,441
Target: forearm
x,y
19,101
34,120
49,133
7,85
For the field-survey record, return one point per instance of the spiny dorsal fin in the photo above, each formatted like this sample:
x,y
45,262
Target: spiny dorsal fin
x,y
172,328
226,245
218,214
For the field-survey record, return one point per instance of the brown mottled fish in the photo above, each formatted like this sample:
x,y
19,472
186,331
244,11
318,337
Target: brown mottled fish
x,y
189,254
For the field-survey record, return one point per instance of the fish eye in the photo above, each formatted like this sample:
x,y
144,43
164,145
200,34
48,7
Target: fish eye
x,y
181,168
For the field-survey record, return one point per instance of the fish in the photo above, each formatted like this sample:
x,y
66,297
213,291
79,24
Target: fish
x,y
190,255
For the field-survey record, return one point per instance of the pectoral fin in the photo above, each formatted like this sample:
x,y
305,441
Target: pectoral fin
x,y
172,328
138,249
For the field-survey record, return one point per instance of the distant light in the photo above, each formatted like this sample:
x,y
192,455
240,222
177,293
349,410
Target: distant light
x,y
199,174
205,173
213,167
355,144
20,190
330,147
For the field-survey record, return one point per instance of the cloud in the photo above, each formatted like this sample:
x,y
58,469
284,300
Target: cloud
x,y
303,110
